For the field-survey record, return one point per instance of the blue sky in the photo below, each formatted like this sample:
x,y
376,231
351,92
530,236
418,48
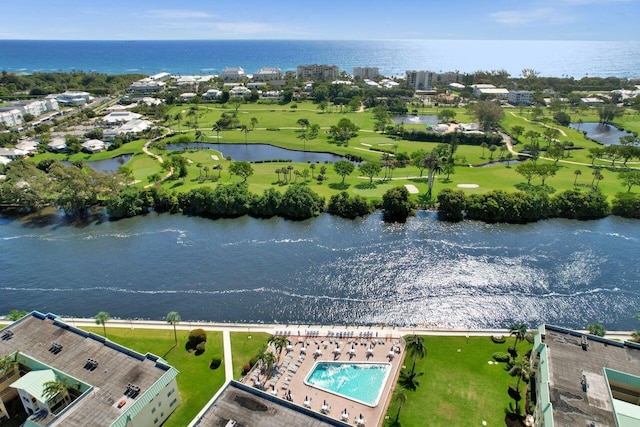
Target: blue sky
x,y
324,20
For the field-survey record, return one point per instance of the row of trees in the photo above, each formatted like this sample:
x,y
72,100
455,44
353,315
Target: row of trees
x,y
521,207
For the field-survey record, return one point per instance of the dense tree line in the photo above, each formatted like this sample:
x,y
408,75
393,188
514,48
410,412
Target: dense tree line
x,y
462,138
39,84
523,207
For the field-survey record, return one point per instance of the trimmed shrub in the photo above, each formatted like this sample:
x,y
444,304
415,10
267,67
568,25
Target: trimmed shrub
x,y
498,339
216,361
254,360
201,348
196,337
501,357
245,369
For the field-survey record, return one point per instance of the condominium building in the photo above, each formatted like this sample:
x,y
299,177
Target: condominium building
x,y
74,98
233,74
318,72
267,74
109,385
427,80
519,97
366,72
584,380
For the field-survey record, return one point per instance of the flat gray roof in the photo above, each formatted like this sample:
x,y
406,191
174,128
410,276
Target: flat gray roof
x,y
117,366
250,407
568,362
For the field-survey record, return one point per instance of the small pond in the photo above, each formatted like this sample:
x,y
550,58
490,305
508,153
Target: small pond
x,y
416,120
106,165
254,152
605,134
498,163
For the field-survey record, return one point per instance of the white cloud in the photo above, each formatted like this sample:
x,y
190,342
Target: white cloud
x,y
527,16
177,14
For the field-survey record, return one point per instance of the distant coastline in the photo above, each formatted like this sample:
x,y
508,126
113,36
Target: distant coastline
x,y
393,57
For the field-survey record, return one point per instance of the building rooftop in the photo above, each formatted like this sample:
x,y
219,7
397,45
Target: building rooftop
x,y
117,367
251,407
583,372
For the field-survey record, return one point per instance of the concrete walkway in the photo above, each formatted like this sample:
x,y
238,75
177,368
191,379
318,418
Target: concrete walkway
x,y
228,358
292,329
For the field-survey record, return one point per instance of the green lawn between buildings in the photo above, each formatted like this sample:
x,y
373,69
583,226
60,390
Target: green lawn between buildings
x,y
458,387
284,118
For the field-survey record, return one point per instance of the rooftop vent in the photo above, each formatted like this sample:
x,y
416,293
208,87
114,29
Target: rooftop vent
x,y
132,391
55,348
6,336
91,365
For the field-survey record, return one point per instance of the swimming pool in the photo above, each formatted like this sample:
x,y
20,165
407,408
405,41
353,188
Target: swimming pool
x,y
362,382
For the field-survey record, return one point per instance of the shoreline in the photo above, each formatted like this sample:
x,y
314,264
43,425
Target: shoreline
x,y
295,329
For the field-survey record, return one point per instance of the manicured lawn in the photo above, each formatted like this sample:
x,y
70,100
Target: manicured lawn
x,y
459,388
197,383
244,348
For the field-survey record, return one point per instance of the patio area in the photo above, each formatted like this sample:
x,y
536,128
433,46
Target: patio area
x,y
297,358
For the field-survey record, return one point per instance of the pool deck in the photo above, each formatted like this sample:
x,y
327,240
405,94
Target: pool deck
x,y
294,365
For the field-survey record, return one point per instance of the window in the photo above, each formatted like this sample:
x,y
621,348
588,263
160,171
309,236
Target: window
x,y
155,421
173,402
153,410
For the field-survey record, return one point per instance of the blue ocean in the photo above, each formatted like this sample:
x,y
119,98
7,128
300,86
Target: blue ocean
x,y
393,57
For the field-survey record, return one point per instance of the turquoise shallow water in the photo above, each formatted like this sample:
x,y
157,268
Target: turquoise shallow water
x,y
356,381
393,57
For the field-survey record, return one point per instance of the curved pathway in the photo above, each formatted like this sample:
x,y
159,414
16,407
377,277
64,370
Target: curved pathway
x,y
145,150
562,132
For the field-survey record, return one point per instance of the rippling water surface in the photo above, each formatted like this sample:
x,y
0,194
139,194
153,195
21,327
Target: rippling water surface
x,y
327,270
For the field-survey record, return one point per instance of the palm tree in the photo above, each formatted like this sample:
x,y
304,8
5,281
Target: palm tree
x,y
178,119
400,397
279,342
416,348
409,380
53,388
522,370
519,330
8,365
246,130
304,138
173,317
577,173
217,129
254,122
483,145
433,164
199,137
101,319
269,359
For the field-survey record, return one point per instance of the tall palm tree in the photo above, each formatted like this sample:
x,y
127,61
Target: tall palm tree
x,y
522,370
416,348
577,173
519,331
269,359
409,380
178,118
58,386
400,397
199,137
173,317
246,130
217,129
101,319
254,122
433,164
279,342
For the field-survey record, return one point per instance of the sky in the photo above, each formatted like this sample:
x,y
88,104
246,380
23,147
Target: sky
x,y
320,20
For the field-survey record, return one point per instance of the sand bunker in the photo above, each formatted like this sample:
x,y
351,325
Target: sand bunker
x,y
468,186
412,188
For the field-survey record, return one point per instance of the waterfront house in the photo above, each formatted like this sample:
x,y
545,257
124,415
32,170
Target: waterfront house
x,y
12,153
147,85
94,146
268,74
233,74
108,384
57,145
239,92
